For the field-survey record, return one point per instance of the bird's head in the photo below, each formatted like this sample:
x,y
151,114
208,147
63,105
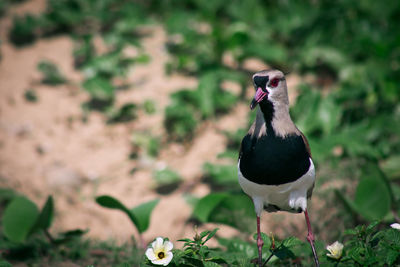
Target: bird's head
x,y
270,85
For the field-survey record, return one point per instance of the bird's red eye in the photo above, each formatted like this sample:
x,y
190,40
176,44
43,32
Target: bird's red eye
x,y
274,82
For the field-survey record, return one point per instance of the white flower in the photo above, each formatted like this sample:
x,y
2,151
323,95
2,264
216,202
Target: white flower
x,y
335,250
160,252
395,226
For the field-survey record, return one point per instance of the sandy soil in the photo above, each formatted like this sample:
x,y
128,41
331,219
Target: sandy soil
x,y
45,148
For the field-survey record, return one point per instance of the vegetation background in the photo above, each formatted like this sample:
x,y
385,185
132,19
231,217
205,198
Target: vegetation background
x,y
140,106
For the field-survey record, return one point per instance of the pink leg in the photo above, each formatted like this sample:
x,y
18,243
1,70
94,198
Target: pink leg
x,y
260,242
310,238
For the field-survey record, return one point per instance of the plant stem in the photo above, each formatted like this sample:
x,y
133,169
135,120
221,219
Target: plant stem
x,y
270,256
49,237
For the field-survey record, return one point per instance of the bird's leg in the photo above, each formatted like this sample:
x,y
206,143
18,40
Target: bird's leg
x,y
310,238
260,242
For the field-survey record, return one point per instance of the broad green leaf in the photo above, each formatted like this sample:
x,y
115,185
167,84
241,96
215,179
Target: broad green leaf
x,y
205,206
113,203
142,213
372,198
46,215
236,210
19,217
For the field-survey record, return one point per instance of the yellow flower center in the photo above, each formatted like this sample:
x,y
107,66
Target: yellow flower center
x,y
161,255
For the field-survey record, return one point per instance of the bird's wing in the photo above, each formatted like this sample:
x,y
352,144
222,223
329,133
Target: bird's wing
x,y
306,143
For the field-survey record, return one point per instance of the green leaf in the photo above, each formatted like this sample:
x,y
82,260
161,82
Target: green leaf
x,y
236,210
46,215
51,74
205,206
166,177
372,206
291,242
6,194
225,175
211,264
391,167
113,203
127,112
142,213
4,263
99,88
19,217
210,235
68,235
30,95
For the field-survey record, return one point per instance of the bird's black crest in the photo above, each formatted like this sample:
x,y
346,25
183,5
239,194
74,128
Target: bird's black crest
x,y
261,81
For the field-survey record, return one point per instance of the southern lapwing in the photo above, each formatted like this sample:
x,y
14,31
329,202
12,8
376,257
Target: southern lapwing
x,y
275,166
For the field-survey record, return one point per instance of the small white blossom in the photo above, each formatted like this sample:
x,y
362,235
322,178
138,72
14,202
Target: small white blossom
x,y
395,226
335,250
160,252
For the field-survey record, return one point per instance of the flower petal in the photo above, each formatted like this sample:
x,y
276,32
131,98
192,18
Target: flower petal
x,y
395,226
335,250
157,244
168,246
150,254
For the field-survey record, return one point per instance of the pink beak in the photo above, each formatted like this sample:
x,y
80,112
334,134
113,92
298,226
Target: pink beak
x,y
260,94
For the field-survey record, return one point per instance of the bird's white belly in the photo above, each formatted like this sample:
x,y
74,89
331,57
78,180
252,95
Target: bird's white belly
x,y
290,196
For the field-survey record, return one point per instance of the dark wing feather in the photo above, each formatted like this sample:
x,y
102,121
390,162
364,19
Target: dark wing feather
x,y
306,143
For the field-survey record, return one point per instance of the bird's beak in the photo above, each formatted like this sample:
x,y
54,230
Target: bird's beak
x,y
260,94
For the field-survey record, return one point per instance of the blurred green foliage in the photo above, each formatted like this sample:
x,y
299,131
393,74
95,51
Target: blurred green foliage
x,y
51,74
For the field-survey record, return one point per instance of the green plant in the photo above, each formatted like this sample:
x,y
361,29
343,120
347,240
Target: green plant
x,y
30,95
180,122
366,246
51,74
139,216
209,100
166,177
221,175
235,210
125,113
22,219
23,30
145,143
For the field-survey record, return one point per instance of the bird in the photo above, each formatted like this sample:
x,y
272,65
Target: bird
x,y
275,166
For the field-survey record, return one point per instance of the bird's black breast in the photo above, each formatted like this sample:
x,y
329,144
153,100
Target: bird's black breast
x,y
273,160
